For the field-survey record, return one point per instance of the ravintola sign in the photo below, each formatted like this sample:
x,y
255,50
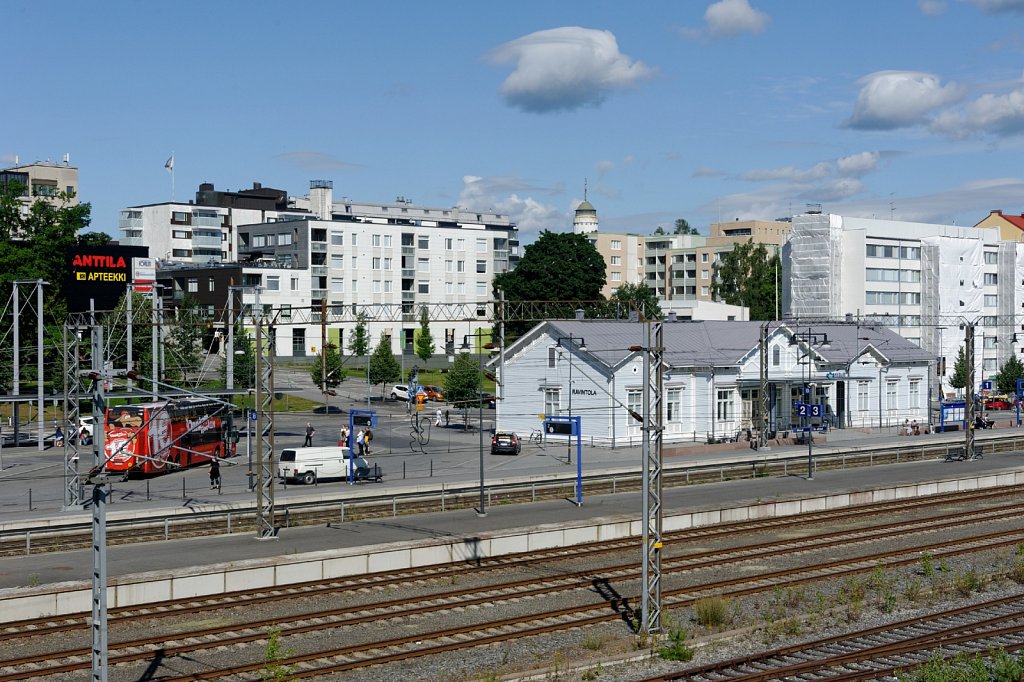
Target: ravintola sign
x,y
100,274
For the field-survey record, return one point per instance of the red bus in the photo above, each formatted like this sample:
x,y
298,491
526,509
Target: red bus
x,y
153,438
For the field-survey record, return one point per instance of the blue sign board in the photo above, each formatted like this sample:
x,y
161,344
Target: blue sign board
x,y
986,385
809,410
252,414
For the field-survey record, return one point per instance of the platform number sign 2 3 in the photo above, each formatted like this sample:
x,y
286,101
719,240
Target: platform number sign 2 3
x,y
808,410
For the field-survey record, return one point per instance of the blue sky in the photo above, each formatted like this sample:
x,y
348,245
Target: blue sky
x,y
708,111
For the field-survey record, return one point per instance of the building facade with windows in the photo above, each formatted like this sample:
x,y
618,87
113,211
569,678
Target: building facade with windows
x,y
863,376
922,280
44,180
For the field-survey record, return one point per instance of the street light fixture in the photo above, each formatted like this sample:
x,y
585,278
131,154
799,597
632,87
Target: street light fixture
x,y
811,339
582,346
482,510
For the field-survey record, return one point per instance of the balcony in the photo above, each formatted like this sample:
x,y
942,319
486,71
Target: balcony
x,y
126,223
408,273
408,250
318,294
209,240
318,270
317,247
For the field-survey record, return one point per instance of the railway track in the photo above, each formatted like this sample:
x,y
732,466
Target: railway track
x,y
878,652
533,593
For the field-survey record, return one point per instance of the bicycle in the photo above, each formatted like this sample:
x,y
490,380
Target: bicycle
x,y
537,436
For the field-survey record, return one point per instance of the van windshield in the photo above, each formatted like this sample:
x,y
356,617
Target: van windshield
x,y
288,456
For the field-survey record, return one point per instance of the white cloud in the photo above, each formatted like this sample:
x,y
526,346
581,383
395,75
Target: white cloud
x,y
900,99
727,18
563,69
604,167
707,172
998,6
789,173
1001,115
857,164
932,7
502,194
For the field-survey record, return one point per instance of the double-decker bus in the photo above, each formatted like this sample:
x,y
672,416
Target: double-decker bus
x,y
156,437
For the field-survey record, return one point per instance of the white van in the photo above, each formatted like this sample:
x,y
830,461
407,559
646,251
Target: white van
x,y
309,465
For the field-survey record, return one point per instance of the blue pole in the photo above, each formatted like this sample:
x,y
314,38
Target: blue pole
x,y
579,463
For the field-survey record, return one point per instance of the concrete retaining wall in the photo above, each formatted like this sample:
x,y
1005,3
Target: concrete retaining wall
x,y
142,588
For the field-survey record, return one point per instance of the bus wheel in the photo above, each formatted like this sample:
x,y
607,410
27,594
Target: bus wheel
x,y
309,478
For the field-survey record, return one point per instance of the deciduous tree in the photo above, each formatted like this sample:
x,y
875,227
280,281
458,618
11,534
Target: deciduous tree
x,y
746,276
424,340
384,368
462,384
1009,373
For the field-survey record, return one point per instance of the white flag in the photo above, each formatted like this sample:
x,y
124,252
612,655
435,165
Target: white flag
x,y
170,164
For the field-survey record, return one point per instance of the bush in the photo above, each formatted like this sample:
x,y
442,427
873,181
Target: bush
x,y
712,612
677,649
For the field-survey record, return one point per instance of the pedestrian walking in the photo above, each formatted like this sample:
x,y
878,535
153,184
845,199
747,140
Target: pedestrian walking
x,y
343,440
309,435
58,438
214,474
361,442
438,421
367,437
446,417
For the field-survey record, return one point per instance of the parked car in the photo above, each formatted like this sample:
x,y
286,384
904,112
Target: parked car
x,y
505,443
998,403
399,392
434,393
489,399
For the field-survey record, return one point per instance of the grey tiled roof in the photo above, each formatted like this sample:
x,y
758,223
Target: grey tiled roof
x,y
725,343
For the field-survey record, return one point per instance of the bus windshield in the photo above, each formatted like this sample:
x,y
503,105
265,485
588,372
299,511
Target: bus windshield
x,y
125,417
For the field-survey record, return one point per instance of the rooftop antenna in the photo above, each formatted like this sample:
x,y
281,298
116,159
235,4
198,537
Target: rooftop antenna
x,y
584,189
892,206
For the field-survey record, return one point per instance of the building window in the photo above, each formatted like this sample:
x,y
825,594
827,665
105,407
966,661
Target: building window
x,y
616,276
337,238
447,243
705,274
990,364
449,288
388,286
375,263
423,265
552,400
273,283
705,291
674,405
635,401
991,257
388,263
616,244
337,285
449,265
337,262
481,289
355,239
991,279
989,342
616,260
991,300
210,284
703,258
355,262
481,246
724,405
423,287
423,242
862,396
481,267
552,354
460,244
460,266
776,356
180,234
890,395
914,393
295,283
181,218
375,240
193,285
355,286
376,286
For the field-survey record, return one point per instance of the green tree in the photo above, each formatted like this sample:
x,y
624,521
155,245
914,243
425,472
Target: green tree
x,y
746,276
659,231
359,342
638,297
184,341
462,385
244,354
1006,379
384,368
683,227
330,358
559,266
425,340
142,333
958,379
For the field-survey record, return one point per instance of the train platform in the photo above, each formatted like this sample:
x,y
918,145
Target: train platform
x,y
140,564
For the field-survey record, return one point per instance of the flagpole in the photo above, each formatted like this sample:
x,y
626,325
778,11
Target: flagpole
x,y
172,177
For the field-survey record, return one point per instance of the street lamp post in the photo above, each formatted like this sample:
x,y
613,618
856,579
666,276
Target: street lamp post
x,y
482,510
583,347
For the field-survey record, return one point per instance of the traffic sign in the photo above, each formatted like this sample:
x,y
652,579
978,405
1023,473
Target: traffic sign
x,y
252,414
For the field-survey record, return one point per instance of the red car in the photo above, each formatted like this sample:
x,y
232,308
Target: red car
x,y
998,404
434,393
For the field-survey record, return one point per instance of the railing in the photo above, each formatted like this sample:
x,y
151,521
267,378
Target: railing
x,y
449,497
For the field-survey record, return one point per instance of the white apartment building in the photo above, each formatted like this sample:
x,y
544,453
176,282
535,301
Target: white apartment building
x,y
921,280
